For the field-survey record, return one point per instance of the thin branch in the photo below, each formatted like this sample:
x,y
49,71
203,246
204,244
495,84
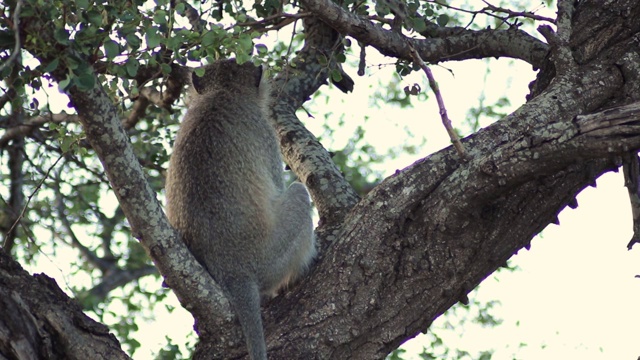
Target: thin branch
x,y
108,227
271,19
117,279
33,193
491,8
443,110
511,13
89,255
27,128
16,34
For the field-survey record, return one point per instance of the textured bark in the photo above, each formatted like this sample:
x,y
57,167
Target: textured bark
x,y
38,321
395,260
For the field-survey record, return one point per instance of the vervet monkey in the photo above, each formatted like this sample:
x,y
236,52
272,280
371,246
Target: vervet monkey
x,y
226,195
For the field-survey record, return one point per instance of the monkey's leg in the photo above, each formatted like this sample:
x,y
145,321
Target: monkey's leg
x,y
292,244
245,299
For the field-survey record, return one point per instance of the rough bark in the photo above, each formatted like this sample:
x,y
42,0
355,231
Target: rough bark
x,y
395,260
39,321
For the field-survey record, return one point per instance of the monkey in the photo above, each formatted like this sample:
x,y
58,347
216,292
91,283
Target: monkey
x,y
226,195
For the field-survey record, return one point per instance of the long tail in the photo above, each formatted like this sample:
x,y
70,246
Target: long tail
x,y
245,300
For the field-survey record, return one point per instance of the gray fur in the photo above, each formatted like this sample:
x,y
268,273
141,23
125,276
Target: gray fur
x,y
226,196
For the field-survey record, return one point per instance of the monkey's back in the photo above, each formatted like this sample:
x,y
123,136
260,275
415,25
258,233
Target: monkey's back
x,y
224,176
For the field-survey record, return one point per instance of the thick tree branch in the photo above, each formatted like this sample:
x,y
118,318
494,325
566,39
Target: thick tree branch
x,y
15,151
467,44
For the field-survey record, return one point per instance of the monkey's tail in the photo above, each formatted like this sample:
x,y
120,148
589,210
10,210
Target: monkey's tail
x,y
245,299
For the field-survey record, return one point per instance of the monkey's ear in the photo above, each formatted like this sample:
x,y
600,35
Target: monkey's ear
x,y
197,82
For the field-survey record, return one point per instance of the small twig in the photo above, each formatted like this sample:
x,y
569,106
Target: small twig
x,y
26,205
16,34
443,111
490,9
362,64
511,13
284,20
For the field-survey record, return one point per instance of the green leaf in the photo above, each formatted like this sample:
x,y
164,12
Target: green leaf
x,y
261,49
133,41
336,76
246,43
208,39
160,17
132,66
111,49
199,71
180,8
166,69
85,81
418,24
82,4
153,37
61,36
341,58
64,84
52,65
242,57
442,19
66,143
95,17
412,7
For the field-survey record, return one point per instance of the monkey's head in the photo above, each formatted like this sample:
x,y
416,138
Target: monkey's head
x,y
227,74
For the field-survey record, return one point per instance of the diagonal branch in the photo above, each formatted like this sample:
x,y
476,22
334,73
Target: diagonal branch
x,y
332,194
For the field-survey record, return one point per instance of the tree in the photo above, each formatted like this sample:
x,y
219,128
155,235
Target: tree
x,y
392,259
